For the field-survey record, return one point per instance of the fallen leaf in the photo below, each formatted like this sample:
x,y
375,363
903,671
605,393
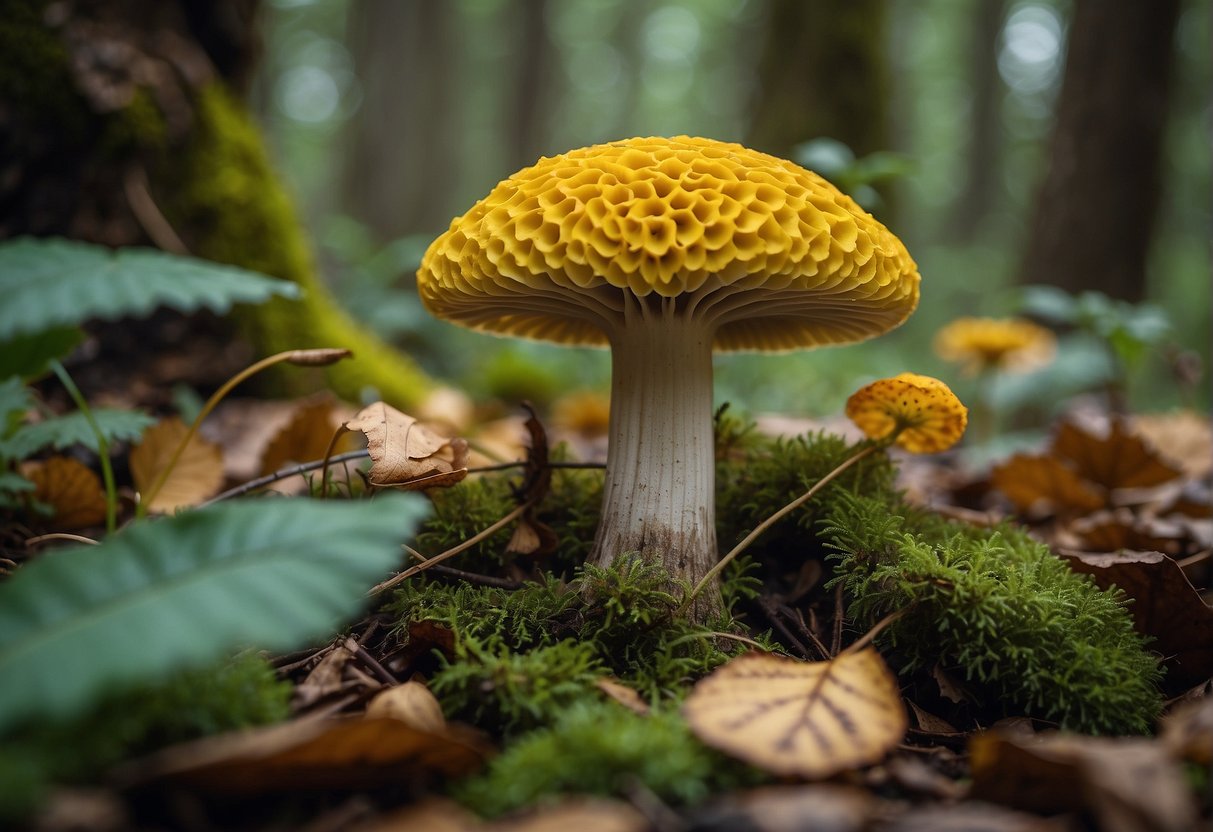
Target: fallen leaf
x,y
1118,460
825,807
424,637
1111,531
411,703
313,753
305,437
1188,731
810,719
197,474
581,814
928,723
624,695
973,816
1184,439
70,488
1028,480
1165,606
1128,785
432,814
405,452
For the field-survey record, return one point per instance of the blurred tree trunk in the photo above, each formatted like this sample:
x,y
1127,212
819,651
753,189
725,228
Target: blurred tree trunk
x,y
982,167
401,148
122,123
532,88
823,72
1096,209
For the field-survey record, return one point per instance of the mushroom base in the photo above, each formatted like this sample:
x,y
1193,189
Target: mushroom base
x,y
659,494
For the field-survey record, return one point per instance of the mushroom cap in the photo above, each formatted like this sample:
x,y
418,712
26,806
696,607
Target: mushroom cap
x,y
926,413
1014,344
551,252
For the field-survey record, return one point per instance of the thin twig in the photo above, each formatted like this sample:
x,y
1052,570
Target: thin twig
x,y
779,515
75,538
772,614
148,214
282,474
867,638
796,618
839,611
450,553
370,661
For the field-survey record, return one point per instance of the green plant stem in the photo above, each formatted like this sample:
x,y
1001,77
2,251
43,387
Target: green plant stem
x,y
784,512
216,397
103,448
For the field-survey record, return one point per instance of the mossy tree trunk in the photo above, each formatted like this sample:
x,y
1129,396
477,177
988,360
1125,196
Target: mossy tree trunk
x,y
122,124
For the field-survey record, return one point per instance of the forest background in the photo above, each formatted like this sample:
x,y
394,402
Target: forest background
x,y
953,121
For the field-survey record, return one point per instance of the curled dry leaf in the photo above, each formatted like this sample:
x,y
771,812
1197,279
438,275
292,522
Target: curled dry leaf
x,y
326,679
807,719
1118,460
1030,480
197,475
1188,731
405,452
70,488
314,753
1127,784
1165,606
822,806
305,437
411,703
1184,439
624,695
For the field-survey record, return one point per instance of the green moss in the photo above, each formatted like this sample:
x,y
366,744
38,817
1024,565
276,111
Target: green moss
x,y
603,749
240,694
998,608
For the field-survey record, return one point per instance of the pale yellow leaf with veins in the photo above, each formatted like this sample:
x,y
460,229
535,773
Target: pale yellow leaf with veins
x,y
806,719
197,474
405,452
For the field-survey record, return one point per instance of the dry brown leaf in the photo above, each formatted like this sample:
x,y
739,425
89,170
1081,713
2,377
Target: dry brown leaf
x,y
432,814
811,719
1119,460
624,695
305,437
314,753
1129,785
1184,439
581,814
411,703
1188,731
70,488
1111,531
1165,606
821,807
1028,480
197,475
405,452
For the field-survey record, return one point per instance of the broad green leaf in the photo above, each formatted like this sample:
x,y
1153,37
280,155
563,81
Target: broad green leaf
x,y
267,573
73,429
15,399
13,483
55,282
28,355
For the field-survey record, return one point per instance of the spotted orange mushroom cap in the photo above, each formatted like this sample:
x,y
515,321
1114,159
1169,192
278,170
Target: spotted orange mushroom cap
x,y
772,254
927,413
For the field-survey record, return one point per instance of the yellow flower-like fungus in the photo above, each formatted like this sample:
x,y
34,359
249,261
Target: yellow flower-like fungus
x,y
921,412
1011,344
550,252
664,250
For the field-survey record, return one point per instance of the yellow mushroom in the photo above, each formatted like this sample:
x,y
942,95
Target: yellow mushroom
x,y
922,413
663,249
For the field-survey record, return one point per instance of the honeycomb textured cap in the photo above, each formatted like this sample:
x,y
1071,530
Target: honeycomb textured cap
x,y
771,255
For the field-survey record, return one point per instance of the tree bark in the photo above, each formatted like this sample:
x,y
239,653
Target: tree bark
x,y
823,72
1096,209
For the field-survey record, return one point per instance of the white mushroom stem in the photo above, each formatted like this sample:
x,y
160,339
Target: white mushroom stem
x,y
659,495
